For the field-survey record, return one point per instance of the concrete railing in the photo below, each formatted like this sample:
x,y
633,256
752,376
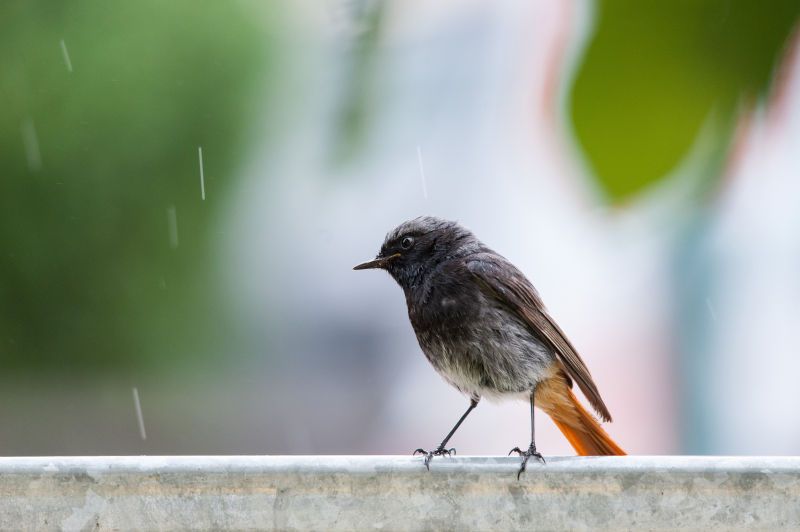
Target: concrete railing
x,y
397,493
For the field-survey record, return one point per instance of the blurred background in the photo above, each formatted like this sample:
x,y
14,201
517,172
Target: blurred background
x,y
185,186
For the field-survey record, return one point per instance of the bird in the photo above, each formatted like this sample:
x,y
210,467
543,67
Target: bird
x,y
484,328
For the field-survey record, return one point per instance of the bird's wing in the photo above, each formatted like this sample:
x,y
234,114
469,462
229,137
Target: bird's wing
x,y
509,286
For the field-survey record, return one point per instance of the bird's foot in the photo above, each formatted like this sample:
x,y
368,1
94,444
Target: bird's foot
x,y
526,456
440,451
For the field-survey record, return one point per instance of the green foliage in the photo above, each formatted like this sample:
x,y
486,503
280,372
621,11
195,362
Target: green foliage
x,y
654,72
89,278
351,125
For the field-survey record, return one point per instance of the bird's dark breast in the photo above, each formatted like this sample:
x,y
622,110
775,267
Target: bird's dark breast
x,y
475,343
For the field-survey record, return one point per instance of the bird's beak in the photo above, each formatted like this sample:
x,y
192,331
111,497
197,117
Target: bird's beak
x,y
380,262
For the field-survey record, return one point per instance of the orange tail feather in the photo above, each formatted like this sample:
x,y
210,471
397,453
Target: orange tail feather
x,y
585,435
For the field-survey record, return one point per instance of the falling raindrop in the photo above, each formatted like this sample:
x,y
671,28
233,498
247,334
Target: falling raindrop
x,y
66,55
172,224
31,142
202,181
711,309
139,416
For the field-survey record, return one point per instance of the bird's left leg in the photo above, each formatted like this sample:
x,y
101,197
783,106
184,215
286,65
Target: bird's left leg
x,y
442,449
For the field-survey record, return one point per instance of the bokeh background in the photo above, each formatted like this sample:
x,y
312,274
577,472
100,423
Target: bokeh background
x,y
185,186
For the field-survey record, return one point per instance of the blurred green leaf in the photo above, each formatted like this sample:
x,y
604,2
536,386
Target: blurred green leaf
x,y
654,72
352,121
89,277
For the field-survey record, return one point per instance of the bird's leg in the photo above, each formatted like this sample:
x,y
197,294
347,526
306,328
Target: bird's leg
x,y
531,448
441,450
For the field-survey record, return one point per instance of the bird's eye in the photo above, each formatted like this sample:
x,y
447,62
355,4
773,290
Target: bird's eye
x,y
407,242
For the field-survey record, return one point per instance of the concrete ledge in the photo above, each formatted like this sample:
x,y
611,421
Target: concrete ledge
x,y
396,493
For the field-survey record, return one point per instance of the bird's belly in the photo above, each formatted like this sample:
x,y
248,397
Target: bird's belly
x,y
491,355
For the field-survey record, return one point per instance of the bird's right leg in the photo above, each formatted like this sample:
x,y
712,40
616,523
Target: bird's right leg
x,y
442,450
531,448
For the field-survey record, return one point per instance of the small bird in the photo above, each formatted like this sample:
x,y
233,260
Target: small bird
x,y
484,329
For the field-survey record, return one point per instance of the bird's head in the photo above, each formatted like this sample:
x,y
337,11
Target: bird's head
x,y
416,247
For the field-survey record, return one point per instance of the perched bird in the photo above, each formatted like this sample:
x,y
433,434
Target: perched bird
x,y
484,329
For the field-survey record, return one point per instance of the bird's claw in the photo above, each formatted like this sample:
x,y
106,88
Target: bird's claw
x,y
526,456
440,451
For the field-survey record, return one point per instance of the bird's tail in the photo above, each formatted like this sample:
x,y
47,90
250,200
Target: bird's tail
x,y
555,397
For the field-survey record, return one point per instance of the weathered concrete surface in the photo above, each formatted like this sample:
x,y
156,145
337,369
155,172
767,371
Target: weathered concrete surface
x,y
396,493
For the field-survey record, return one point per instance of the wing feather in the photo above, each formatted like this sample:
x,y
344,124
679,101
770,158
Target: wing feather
x,y
508,285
